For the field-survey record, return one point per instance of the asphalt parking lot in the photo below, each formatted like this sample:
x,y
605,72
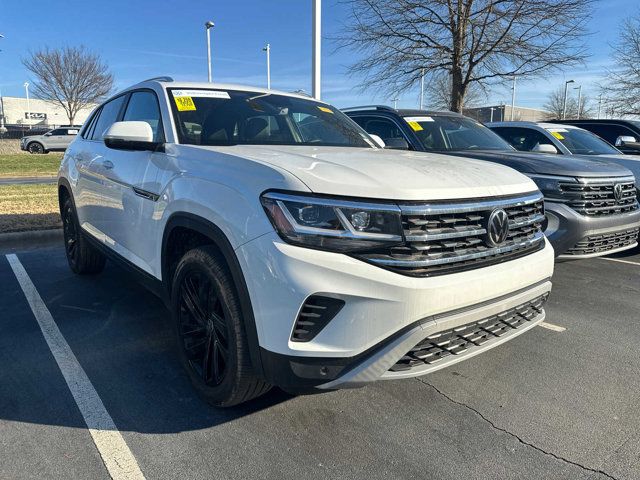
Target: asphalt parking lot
x,y
553,403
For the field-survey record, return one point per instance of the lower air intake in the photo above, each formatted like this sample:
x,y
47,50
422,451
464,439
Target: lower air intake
x,y
316,312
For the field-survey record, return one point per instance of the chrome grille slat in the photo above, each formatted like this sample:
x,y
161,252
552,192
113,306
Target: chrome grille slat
x,y
440,237
597,198
605,242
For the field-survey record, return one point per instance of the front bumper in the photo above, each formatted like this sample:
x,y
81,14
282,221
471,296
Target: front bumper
x,y
566,229
381,309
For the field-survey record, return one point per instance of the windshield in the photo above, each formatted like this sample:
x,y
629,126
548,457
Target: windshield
x,y
216,117
449,133
582,142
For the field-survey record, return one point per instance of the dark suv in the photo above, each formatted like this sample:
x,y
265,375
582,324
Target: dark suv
x,y
591,205
622,134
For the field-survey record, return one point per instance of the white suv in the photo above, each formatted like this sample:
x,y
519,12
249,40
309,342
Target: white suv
x,y
290,249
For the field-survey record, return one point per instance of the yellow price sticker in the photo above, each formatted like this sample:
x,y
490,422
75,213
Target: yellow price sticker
x,y
557,135
325,109
416,126
185,104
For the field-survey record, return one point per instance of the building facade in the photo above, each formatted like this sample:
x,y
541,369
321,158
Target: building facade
x,y
502,113
36,113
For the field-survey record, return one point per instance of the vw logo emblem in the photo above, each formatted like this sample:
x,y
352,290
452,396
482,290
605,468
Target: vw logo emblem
x,y
617,192
497,228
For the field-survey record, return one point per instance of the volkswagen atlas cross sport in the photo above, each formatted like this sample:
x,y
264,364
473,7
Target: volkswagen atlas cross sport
x,y
591,205
290,249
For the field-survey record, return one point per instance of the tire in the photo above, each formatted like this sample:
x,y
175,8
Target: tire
x,y
209,330
35,148
82,257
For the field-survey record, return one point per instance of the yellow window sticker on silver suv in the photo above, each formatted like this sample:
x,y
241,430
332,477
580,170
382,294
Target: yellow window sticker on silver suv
x,y
184,104
416,126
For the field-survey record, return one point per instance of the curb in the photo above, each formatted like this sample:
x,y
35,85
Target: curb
x,y
30,239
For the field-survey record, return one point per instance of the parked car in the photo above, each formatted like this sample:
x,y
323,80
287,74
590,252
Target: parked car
x,y
591,206
623,134
563,140
57,139
291,250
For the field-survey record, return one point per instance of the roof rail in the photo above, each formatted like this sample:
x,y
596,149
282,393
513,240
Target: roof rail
x,y
163,78
369,107
300,91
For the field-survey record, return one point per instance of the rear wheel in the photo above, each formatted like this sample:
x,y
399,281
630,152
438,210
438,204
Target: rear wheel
x,y
210,331
35,147
82,257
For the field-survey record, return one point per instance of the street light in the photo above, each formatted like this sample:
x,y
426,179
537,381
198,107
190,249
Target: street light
x,y
208,26
316,28
421,89
268,50
26,89
579,88
395,103
513,97
564,103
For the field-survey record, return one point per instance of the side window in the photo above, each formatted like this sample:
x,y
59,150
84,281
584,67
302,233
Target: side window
x,y
59,131
380,126
143,107
609,132
108,116
86,130
523,139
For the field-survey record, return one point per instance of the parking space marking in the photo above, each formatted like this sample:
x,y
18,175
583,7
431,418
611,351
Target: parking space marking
x,y
116,455
551,326
621,261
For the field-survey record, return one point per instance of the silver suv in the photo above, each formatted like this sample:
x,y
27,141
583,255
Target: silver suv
x,y
57,139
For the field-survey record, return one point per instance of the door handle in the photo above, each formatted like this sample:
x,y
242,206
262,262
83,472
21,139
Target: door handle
x,y
107,164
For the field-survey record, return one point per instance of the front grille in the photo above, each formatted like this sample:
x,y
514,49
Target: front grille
x,y
596,197
440,238
605,242
464,338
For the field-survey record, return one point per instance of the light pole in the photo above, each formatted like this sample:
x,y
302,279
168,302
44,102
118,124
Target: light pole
x,y
316,30
421,89
491,116
26,89
513,97
208,26
579,88
268,50
564,102
599,104
395,103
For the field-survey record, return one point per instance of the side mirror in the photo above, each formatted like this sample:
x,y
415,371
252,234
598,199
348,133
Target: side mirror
x,y
622,140
378,140
131,136
48,134
397,143
544,148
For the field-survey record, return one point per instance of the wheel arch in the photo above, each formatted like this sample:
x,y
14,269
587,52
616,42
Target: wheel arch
x,y
44,149
217,238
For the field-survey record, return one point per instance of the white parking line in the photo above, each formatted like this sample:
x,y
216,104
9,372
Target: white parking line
x,y
117,458
621,261
551,326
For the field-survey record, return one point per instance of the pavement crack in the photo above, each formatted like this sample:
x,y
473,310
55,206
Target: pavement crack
x,y
513,435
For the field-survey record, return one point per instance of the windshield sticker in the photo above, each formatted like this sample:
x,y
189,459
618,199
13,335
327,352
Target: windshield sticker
x,y
184,104
201,94
419,119
558,135
325,109
415,125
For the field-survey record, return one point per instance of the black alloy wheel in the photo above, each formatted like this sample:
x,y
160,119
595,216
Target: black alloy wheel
x,y
204,328
35,147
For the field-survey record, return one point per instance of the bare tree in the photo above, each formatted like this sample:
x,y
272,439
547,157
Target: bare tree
x,y
438,93
621,91
555,106
70,77
475,41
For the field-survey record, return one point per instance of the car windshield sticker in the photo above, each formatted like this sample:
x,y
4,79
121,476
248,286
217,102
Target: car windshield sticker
x,y
201,94
418,119
184,104
325,109
558,135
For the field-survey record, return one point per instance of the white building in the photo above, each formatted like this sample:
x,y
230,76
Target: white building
x,y
35,112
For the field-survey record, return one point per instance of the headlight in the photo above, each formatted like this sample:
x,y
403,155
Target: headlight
x,y
331,224
551,186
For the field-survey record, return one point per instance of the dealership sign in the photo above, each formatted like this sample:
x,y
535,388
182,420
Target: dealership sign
x,y
35,116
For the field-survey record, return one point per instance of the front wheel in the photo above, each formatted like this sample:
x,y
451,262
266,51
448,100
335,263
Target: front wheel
x,y
81,256
210,331
35,148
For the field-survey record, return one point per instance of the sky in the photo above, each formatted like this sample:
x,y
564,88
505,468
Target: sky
x,y
140,39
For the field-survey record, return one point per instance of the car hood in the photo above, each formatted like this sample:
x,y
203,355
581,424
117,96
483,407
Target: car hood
x,y
547,164
388,174
631,162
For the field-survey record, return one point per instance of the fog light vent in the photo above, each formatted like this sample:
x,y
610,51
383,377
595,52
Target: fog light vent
x,y
316,312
